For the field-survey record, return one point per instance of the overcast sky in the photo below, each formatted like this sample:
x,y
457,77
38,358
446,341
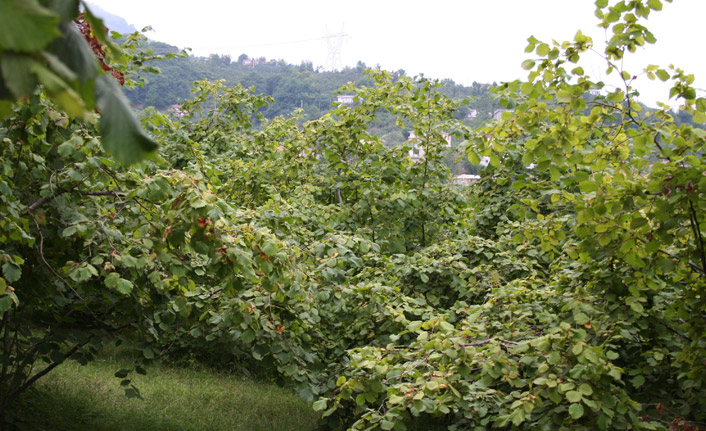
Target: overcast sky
x,y
465,40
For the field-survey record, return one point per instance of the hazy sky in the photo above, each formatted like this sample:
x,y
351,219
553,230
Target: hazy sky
x,y
465,40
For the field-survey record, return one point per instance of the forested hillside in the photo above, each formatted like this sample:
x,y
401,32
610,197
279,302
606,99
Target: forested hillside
x,y
291,86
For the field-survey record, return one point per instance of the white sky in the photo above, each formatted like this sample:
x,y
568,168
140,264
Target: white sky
x,y
465,40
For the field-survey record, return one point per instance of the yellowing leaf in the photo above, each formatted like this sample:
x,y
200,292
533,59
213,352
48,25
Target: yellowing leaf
x,y
564,96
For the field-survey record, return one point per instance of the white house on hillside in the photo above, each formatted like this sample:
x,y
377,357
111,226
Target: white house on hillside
x,y
346,99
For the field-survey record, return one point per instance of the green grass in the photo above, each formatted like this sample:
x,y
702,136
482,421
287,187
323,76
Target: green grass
x,y
77,398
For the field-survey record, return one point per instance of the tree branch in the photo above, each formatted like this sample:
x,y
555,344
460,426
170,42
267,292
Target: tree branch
x,y
40,202
51,366
697,233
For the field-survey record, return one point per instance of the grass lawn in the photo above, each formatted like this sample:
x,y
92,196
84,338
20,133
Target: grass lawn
x,y
78,398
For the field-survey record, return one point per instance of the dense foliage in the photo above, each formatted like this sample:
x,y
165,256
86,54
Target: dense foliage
x,y
565,290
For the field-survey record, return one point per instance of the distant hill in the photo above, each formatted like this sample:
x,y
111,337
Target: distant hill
x,y
112,21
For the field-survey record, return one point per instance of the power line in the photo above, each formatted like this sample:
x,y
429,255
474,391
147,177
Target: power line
x,y
334,43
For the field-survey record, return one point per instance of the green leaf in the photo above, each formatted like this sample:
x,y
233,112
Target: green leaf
x,y
148,353
635,306
386,425
269,248
133,393
11,272
124,286
654,4
543,49
554,358
25,26
588,186
581,318
67,10
17,71
585,389
638,380
111,280
573,396
60,91
65,150
577,349
638,222
576,411
74,53
319,405
528,64
5,303
122,135
517,416
662,74
248,336
198,203
5,105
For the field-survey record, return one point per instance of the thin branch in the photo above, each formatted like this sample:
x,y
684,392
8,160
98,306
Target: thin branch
x,y
102,193
6,344
694,266
476,344
691,264
40,202
423,361
53,365
679,333
51,268
42,373
697,233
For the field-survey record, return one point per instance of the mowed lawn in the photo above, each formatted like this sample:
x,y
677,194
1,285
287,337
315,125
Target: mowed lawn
x,y
78,398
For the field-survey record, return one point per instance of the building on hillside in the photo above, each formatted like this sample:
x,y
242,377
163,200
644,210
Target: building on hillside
x,y
252,62
473,113
178,111
416,153
465,179
498,114
346,99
